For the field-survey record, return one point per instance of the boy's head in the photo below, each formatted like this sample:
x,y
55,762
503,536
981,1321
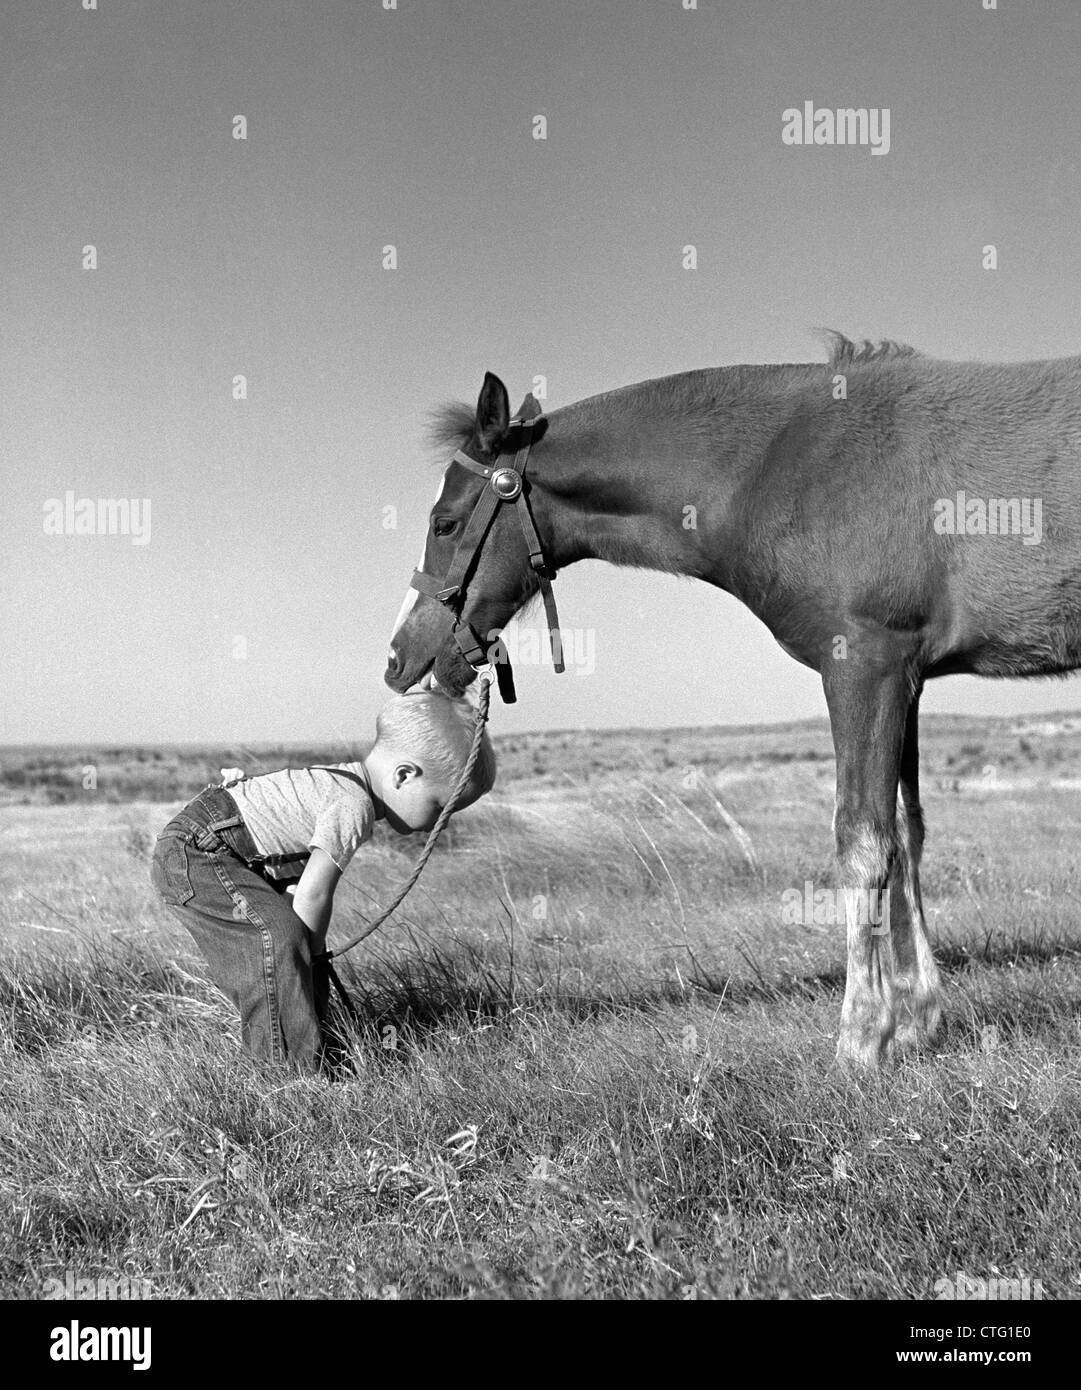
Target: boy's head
x,y
422,743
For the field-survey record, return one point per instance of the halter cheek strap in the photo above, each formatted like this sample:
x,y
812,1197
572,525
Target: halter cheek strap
x,y
505,484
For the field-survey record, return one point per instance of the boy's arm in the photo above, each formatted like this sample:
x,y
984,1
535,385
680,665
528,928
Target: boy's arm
x,y
314,896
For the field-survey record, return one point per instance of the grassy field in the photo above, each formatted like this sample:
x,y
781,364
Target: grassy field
x,y
596,1062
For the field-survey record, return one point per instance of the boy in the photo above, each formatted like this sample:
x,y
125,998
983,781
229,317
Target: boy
x,y
223,864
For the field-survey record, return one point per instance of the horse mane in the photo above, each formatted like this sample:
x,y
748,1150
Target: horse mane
x,y
843,351
450,425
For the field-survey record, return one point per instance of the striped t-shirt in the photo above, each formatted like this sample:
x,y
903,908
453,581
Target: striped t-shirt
x,y
304,808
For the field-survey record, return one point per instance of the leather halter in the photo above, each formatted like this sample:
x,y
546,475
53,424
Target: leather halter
x,y
505,484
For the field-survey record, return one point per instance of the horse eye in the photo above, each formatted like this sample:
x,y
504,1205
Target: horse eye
x,y
444,525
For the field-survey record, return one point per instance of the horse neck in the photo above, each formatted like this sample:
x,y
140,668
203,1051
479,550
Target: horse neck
x,y
645,476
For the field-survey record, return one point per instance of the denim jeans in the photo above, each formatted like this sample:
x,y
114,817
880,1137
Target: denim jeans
x,y
205,868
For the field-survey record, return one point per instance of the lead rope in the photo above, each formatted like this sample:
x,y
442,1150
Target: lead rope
x,y
480,721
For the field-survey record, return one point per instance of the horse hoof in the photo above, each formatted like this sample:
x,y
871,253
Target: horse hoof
x,y
860,1057
919,1028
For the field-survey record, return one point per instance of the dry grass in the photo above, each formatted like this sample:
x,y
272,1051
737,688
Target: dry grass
x,y
594,1061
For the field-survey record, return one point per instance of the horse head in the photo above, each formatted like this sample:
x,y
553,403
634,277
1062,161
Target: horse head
x,y
479,563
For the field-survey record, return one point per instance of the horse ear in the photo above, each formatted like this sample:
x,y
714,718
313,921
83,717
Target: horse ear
x,y
493,413
530,408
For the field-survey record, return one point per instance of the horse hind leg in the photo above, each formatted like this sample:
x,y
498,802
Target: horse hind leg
x,y
917,983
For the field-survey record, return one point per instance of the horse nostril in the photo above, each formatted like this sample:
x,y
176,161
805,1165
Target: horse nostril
x,y
394,663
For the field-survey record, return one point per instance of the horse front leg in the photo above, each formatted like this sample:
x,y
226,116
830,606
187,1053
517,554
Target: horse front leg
x,y
918,985
867,715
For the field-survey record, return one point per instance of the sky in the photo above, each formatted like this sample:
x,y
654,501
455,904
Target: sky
x,y
283,527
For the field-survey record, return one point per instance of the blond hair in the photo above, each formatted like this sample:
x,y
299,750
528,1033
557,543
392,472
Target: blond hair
x,y
437,732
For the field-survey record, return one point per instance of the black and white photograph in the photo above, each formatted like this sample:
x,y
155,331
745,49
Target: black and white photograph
x,y
541,567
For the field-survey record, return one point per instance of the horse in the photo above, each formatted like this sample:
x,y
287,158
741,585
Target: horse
x,y
870,510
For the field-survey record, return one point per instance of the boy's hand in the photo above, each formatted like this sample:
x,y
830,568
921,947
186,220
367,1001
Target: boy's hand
x,y
232,774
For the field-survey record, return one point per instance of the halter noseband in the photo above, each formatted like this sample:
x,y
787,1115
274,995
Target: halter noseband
x,y
505,484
